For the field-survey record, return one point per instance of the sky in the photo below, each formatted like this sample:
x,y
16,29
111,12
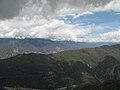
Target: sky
x,y
59,20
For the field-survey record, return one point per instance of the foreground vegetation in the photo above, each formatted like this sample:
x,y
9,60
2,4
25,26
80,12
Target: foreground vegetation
x,y
47,72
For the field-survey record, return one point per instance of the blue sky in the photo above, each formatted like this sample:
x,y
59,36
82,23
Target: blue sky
x,y
106,21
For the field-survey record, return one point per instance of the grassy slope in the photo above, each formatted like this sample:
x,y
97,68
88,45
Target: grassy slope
x,y
90,56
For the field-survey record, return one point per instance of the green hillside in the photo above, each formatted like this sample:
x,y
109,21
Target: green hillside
x,y
65,69
90,56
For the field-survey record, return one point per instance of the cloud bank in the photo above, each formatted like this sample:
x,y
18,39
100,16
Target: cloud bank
x,y
37,19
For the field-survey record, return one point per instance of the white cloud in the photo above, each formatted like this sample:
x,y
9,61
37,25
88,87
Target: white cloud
x,y
53,8
37,20
81,14
113,5
113,36
53,29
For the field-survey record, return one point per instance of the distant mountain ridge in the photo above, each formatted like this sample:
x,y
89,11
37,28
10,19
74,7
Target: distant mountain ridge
x,y
11,46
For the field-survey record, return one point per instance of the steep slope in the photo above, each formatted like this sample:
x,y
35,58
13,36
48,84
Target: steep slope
x,y
90,56
56,71
108,69
107,85
41,71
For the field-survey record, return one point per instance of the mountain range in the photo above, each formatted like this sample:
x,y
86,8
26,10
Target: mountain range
x,y
73,69
12,46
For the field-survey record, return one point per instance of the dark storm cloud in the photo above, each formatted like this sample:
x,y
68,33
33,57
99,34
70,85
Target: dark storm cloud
x,y
77,3
10,8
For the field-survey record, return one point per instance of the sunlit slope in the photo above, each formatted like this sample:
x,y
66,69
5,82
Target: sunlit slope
x,y
89,56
